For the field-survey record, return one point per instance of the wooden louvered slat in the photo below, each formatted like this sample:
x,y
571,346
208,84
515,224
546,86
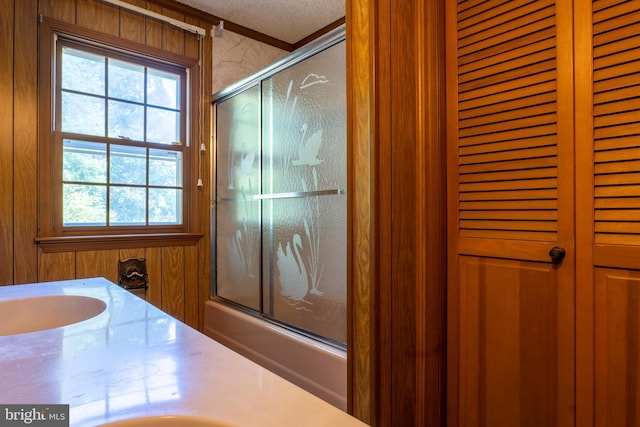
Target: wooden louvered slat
x,y
509,30
506,14
522,194
480,60
504,91
617,203
501,156
618,191
513,165
617,155
617,143
509,185
625,82
617,167
614,214
507,145
508,70
491,125
616,71
507,122
510,234
618,239
508,215
617,106
499,205
618,179
507,135
503,115
544,101
515,175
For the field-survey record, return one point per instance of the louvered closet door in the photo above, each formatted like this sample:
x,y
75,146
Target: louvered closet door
x,y
616,213
510,161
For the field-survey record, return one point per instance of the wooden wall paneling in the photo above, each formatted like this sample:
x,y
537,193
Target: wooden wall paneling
x,y
56,266
132,25
98,16
154,270
25,137
103,263
193,307
173,292
6,141
173,39
131,253
62,10
153,28
617,347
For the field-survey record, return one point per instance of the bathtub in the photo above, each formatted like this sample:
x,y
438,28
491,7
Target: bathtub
x,y
316,367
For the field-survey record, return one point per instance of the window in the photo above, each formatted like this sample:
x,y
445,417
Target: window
x,y
120,123
115,156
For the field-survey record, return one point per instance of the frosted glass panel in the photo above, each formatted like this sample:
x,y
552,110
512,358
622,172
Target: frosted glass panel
x,y
280,208
304,116
307,241
238,214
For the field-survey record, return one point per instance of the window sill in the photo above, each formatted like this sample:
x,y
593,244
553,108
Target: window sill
x,y
122,241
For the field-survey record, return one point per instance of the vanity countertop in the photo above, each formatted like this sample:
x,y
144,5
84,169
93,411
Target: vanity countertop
x,y
133,360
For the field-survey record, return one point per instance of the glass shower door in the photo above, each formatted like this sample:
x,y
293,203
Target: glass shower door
x,y
303,183
280,222
237,226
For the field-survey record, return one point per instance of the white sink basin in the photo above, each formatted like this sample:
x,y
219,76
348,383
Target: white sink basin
x,y
169,421
18,316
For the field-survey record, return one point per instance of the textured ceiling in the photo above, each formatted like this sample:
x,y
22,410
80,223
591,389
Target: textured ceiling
x,y
286,20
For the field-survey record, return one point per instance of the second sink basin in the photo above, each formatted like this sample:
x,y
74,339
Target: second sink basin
x,y
22,315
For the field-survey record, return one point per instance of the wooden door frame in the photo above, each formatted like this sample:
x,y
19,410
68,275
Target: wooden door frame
x,y
397,216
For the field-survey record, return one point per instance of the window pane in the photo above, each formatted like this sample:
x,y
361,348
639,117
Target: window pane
x,y
163,89
126,81
84,161
127,206
126,120
82,114
82,71
128,165
165,167
84,205
162,126
165,206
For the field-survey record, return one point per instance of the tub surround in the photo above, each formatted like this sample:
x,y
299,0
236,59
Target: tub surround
x,y
316,367
133,360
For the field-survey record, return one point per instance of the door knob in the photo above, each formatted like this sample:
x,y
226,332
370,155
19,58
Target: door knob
x,y
557,254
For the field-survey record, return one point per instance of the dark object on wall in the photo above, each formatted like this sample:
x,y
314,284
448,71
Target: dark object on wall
x,y
132,273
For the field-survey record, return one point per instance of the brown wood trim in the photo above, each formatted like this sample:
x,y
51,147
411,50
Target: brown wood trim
x,y
585,256
191,12
362,235
7,152
92,243
431,258
98,38
320,32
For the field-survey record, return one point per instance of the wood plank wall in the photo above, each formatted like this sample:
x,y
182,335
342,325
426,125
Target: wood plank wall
x,y
178,275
